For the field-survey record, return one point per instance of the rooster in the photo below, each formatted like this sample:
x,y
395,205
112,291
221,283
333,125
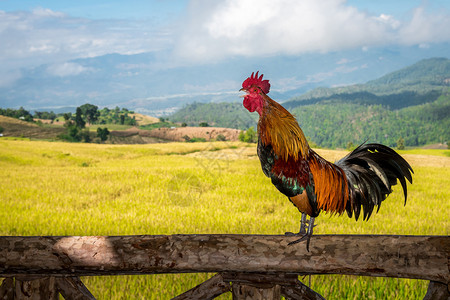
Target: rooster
x,y
363,178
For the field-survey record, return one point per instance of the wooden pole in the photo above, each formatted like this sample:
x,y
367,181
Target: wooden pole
x,y
421,257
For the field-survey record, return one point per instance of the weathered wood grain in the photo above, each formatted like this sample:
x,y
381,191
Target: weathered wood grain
x,y
210,289
72,288
35,288
421,257
275,285
437,291
7,289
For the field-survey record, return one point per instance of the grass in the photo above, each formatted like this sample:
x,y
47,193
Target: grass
x,y
87,189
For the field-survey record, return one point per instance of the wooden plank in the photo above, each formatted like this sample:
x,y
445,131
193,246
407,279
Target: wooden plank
x,y
287,285
421,257
300,292
35,288
210,289
7,289
437,291
73,288
249,292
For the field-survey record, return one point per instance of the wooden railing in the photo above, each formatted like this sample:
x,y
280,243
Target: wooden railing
x,y
264,266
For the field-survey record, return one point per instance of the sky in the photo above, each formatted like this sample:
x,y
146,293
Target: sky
x,y
185,32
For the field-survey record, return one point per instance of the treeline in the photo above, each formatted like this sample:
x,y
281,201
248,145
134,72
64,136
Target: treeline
x,y
103,116
90,113
20,113
337,124
230,115
75,125
116,116
393,101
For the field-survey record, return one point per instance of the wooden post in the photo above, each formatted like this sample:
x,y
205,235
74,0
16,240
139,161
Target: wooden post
x,y
72,288
209,289
7,289
250,292
269,286
35,288
437,291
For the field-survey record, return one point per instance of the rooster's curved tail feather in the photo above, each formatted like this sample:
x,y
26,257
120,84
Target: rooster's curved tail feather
x,y
371,171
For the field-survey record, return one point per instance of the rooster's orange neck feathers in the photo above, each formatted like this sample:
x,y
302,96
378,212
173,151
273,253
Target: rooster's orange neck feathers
x,y
278,128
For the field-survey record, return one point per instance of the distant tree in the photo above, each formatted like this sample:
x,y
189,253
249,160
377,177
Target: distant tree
x,y
103,133
203,124
45,115
67,116
2,129
20,113
90,112
221,138
196,139
183,124
122,119
350,146
73,132
401,144
24,115
249,136
241,135
79,122
85,135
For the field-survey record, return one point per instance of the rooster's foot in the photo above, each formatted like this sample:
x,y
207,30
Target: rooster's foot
x,y
305,233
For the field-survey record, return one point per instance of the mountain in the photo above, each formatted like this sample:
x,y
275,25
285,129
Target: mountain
x,y
152,83
412,104
419,83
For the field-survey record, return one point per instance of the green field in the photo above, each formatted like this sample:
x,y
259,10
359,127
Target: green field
x,y
52,188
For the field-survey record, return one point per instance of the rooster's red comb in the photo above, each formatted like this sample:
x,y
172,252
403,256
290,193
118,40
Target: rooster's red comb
x,y
264,85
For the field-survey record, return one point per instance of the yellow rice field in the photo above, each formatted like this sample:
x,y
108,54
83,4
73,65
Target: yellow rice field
x,y
53,188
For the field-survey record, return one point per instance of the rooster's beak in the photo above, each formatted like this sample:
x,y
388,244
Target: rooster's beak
x,y
243,90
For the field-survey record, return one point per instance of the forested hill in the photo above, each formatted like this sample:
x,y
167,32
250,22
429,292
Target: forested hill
x,y
420,83
412,104
224,114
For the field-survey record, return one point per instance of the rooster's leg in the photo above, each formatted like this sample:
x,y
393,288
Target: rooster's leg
x,y
303,225
306,231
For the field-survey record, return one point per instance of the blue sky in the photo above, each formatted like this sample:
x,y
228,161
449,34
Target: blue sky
x,y
141,9
106,9
183,32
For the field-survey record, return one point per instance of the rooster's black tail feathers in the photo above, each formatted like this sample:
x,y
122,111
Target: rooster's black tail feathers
x,y
371,170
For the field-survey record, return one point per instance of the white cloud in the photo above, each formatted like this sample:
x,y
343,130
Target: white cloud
x,y
292,27
66,69
424,28
43,36
45,12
